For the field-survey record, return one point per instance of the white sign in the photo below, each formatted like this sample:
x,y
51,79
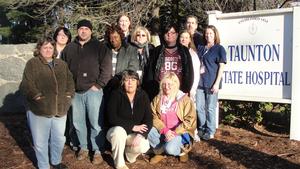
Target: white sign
x,y
262,57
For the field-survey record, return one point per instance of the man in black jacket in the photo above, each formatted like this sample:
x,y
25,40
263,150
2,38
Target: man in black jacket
x,y
91,71
169,57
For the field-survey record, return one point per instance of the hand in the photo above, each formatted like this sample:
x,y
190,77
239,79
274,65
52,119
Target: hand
x,y
215,89
137,140
170,135
140,128
94,88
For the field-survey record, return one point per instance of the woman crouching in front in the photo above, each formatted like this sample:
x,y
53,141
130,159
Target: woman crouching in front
x,y
130,118
174,121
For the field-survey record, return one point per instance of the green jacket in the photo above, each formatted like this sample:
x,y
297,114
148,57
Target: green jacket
x,y
53,84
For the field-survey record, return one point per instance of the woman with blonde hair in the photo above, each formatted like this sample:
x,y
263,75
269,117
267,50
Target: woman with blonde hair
x,y
140,38
174,121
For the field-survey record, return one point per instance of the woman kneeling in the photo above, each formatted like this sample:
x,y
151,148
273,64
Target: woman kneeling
x,y
174,121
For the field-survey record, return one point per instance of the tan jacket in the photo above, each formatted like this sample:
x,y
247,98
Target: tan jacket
x,y
186,113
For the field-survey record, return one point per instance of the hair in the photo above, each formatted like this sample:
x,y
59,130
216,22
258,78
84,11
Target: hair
x,y
139,29
169,26
43,41
216,32
66,32
124,14
192,16
129,74
171,76
112,29
191,44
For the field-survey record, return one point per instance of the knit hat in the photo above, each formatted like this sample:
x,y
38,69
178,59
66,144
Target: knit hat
x,y
85,23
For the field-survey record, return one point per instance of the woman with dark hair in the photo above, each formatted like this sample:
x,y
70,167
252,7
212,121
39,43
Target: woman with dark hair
x,y
48,87
124,22
130,119
213,58
62,37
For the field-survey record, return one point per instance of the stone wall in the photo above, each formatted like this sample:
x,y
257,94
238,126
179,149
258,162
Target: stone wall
x,y
12,62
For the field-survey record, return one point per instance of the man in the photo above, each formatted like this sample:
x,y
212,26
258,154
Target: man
x,y
169,57
191,26
91,71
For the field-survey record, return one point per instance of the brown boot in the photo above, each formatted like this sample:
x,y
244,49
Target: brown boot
x,y
82,154
97,159
184,158
156,159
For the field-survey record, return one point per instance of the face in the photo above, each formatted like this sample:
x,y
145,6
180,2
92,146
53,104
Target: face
x,y
62,38
84,33
191,25
130,85
124,23
167,87
171,37
47,50
141,37
115,40
185,39
209,35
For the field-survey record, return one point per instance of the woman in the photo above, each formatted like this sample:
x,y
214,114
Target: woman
x,y
174,120
130,118
141,39
124,22
186,40
213,58
48,87
62,37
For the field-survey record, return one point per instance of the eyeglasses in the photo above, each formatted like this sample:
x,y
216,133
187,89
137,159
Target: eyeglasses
x,y
141,35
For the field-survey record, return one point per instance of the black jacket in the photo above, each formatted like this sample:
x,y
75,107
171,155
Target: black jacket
x,y
88,64
151,74
120,113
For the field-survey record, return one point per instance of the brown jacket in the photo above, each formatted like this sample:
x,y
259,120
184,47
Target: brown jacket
x,y
186,113
53,84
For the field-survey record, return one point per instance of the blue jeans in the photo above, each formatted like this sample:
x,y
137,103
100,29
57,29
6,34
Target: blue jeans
x,y
47,133
172,147
206,110
88,105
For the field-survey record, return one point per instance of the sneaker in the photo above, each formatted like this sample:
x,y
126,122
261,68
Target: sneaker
x,y
184,158
207,136
82,154
60,166
156,159
201,133
97,159
197,138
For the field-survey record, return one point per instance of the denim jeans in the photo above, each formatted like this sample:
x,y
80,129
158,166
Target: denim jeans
x,y
47,133
206,111
172,147
88,105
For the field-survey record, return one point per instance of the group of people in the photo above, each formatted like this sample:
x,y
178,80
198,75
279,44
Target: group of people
x,y
123,90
